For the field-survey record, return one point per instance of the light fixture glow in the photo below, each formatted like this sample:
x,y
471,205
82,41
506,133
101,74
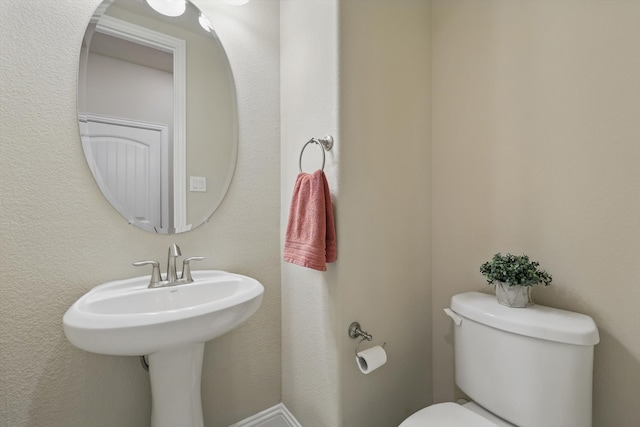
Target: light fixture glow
x,y
237,2
205,23
168,7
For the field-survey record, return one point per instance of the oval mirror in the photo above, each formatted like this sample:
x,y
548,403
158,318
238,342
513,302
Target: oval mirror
x,y
158,114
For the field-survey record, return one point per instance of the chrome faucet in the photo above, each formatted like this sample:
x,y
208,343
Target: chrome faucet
x,y
174,252
171,278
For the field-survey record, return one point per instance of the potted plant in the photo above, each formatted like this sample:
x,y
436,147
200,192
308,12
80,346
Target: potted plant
x,y
514,277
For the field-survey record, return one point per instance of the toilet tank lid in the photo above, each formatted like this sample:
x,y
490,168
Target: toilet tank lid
x,y
536,321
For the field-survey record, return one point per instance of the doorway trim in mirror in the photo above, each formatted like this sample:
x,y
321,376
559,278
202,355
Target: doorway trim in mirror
x,y
177,47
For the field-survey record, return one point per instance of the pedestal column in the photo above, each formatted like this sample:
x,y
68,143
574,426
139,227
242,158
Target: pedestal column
x,y
175,387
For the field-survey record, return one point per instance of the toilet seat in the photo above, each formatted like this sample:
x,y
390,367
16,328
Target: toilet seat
x,y
447,414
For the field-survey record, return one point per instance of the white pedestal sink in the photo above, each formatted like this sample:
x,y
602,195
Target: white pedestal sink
x,y
170,325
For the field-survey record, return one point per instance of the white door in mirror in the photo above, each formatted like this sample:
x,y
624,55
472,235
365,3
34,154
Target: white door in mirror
x,y
127,164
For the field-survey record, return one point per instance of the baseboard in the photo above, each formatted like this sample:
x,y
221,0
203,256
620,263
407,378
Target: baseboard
x,y
276,416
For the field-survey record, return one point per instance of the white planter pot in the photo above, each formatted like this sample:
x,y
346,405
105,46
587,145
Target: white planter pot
x,y
512,296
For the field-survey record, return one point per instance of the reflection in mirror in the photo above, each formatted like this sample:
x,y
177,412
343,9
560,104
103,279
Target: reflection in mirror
x,y
157,113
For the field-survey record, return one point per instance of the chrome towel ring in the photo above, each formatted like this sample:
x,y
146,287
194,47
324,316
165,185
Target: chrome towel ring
x,y
326,143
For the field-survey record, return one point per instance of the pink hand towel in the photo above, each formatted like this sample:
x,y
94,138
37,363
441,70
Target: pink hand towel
x,y
310,240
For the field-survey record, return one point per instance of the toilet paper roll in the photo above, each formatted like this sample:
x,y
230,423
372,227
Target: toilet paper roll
x,y
371,359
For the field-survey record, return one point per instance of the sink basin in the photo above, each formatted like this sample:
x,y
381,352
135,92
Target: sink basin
x,y
170,325
125,318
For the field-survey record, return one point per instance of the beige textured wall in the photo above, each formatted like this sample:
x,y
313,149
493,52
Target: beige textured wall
x,y
384,216
376,94
309,94
60,237
536,149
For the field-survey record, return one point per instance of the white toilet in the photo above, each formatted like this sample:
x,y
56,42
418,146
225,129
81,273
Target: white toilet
x,y
526,367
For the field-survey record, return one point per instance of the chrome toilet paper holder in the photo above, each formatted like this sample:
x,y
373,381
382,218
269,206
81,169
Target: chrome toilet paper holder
x,y
356,332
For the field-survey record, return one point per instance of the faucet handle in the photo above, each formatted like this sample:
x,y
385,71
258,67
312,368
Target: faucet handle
x,y
186,267
155,272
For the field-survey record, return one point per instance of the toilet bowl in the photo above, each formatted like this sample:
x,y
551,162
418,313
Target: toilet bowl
x,y
451,414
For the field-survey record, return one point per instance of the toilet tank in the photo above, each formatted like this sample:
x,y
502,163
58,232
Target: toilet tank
x,y
530,366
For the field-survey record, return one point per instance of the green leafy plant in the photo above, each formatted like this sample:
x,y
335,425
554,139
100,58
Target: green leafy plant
x,y
514,270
